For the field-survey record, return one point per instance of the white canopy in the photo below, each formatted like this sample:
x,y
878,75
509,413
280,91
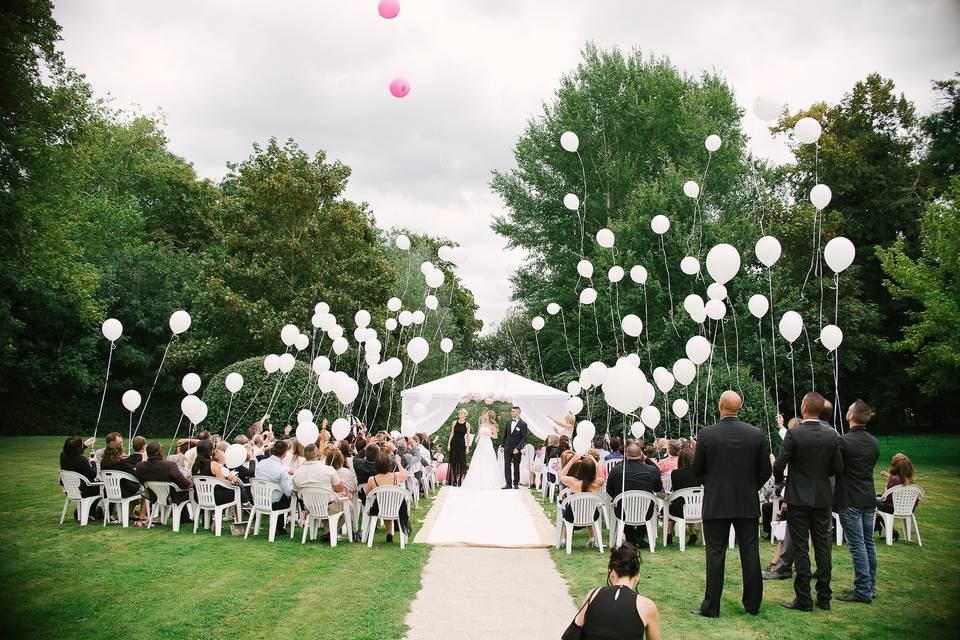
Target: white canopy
x,y
538,402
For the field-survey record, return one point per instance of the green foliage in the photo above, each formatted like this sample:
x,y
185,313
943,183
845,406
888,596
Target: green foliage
x,y
942,127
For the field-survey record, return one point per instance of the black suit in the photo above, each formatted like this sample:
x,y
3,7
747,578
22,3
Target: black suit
x,y
513,440
159,470
812,449
733,462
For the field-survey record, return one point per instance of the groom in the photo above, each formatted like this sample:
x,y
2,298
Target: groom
x,y
514,437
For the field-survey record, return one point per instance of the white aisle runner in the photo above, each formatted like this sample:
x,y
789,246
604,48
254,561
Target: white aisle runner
x,y
485,518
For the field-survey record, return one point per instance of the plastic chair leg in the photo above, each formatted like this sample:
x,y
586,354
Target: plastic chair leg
x,y
371,530
271,532
250,520
217,522
84,510
598,535
568,528
652,535
333,523
682,524
63,514
917,527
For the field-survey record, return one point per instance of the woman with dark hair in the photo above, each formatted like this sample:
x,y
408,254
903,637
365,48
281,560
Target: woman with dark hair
x,y
682,478
386,475
72,459
617,611
580,475
114,460
347,476
900,472
206,467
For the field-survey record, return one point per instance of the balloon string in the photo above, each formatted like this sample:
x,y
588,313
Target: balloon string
x,y
173,443
706,387
252,400
793,380
579,322
563,324
227,420
646,325
155,378
666,268
736,334
583,203
813,381
536,337
723,328
838,413
103,396
820,267
773,341
686,395
813,256
763,373
130,430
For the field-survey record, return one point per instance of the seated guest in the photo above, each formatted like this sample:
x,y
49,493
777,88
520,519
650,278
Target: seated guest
x,y
273,470
682,478
180,456
617,611
156,469
296,458
639,477
110,437
581,476
191,455
650,456
206,467
615,452
346,450
598,445
347,476
139,448
900,472
363,466
669,463
257,442
72,459
115,460
661,449
388,473
316,473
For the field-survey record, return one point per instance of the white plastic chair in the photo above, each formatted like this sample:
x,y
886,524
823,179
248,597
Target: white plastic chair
x,y
389,498
838,528
113,496
633,511
72,482
774,518
692,512
667,480
527,455
262,491
163,508
586,509
905,497
412,485
206,505
553,467
317,502
608,465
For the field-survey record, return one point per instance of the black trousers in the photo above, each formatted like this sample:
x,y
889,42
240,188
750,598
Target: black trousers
x,y
716,534
282,503
813,522
511,462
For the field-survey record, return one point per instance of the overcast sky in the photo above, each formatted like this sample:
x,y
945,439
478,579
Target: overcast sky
x,y
230,72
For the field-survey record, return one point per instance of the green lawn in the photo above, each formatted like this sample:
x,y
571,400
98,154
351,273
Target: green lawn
x,y
72,582
917,587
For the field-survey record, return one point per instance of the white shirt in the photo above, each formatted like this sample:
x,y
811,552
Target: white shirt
x,y
315,474
513,425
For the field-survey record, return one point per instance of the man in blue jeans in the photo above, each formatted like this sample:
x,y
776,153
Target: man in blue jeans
x,y
855,500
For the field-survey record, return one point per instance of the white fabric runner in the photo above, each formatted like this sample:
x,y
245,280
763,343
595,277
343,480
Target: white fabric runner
x,y
483,518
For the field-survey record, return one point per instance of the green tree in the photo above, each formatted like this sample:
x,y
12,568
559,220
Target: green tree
x,y
942,127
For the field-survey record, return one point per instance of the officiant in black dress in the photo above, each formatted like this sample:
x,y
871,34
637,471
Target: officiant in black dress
x,y
457,449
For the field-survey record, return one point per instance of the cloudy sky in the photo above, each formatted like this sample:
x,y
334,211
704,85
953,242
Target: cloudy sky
x,y
227,73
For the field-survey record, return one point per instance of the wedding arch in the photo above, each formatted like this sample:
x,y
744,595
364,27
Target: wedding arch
x,y
538,402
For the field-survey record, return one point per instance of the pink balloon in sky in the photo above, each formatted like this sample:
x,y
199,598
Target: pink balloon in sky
x,y
399,87
389,8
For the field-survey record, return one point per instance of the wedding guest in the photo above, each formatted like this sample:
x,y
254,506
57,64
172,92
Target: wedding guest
x,y
598,445
639,477
115,460
179,456
682,477
662,445
257,442
812,450
388,474
191,455
669,463
273,470
296,457
565,428
346,450
316,473
615,452
347,475
72,459
854,497
206,467
156,469
583,479
457,448
900,472
650,456
617,611
138,445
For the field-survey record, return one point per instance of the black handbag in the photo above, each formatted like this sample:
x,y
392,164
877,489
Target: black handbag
x,y
574,631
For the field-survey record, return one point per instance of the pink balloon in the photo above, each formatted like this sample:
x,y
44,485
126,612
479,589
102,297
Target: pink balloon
x,y
399,87
389,9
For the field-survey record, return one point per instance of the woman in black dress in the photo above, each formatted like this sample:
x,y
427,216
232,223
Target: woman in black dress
x,y
457,449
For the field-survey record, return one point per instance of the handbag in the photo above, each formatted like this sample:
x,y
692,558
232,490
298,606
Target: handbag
x,y
574,631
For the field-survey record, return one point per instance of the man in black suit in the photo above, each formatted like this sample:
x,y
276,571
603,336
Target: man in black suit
x,y
733,462
514,437
812,450
156,469
639,477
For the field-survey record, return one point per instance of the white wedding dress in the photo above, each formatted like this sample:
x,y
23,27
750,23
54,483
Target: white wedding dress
x,y
484,471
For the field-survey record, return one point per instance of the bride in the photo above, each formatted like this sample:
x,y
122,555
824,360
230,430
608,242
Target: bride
x,y
484,472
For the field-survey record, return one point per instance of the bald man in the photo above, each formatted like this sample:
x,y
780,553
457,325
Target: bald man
x,y
733,462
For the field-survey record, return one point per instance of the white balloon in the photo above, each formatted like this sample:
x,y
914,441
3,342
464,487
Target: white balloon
x,y
693,304
179,322
700,316
569,141
537,323
362,318
605,238
820,196
574,405
553,308
426,267
271,363
715,309
839,254
624,388
581,445
690,265
417,349
573,388
287,362
321,364
325,381
321,308
712,143
347,391
650,416
390,324
394,304
767,107
446,345
233,382
632,325
402,242
585,268
723,262
807,130
445,253
340,346
588,295
435,279
302,342
663,379
316,320
112,329
691,189
199,412
680,407
586,430
130,400
373,344
638,429
406,318
419,317
396,365
375,373
660,224
307,433
633,359
190,383
431,302
288,335
571,201
234,456
758,305
598,372
716,291
340,428
304,415
327,322
768,251
360,335
371,358
189,405
638,274
831,336
791,325
698,349
615,274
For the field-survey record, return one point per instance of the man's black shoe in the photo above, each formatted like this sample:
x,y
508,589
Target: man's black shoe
x,y
777,575
506,487
852,597
698,612
796,606
823,604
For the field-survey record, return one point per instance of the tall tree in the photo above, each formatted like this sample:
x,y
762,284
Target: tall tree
x,y
942,127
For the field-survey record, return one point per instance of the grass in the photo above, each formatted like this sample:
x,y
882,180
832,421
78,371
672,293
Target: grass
x,y
917,586
72,582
